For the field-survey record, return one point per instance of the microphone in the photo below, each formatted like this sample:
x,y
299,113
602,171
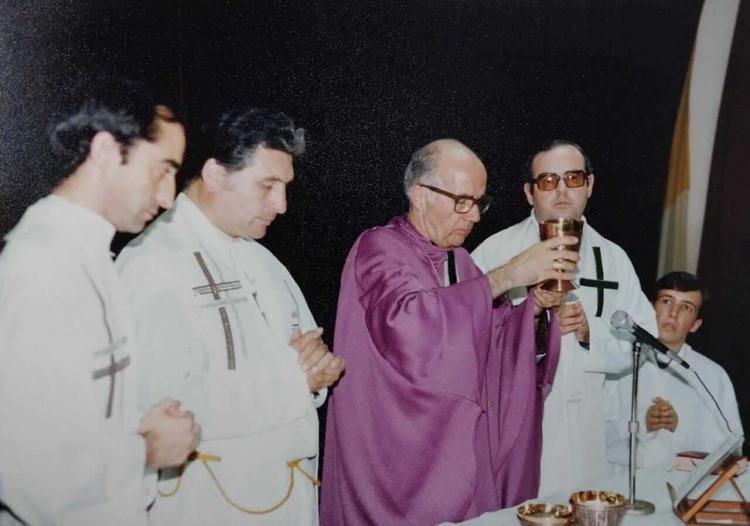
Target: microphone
x,y
621,320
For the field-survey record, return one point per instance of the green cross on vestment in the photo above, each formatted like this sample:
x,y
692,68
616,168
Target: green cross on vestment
x,y
599,283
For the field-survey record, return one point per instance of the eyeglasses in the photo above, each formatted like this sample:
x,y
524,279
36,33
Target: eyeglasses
x,y
463,203
572,178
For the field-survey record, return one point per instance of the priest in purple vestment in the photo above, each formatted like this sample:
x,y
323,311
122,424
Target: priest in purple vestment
x,y
438,417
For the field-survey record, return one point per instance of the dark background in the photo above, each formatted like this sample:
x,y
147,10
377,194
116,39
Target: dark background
x,y
371,82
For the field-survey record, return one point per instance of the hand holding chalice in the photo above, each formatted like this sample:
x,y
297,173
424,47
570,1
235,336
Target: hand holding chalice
x,y
560,227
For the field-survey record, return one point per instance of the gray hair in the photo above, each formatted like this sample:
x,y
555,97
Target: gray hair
x,y
234,136
239,133
422,165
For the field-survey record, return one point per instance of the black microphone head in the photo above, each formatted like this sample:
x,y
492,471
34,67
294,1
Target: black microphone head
x,y
621,320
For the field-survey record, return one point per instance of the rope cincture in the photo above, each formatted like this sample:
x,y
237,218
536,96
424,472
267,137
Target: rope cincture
x,y
206,458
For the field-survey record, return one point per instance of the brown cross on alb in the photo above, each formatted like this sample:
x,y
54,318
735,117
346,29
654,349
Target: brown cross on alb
x,y
215,289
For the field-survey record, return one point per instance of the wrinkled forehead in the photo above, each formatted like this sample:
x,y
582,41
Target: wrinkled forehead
x,y
559,159
462,175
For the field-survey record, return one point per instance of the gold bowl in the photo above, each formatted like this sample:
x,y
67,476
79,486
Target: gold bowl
x,y
598,508
545,513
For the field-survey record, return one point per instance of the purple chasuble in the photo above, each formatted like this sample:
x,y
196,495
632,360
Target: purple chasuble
x,y
438,416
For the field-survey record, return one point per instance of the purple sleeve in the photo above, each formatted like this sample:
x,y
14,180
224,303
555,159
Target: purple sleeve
x,y
517,385
414,323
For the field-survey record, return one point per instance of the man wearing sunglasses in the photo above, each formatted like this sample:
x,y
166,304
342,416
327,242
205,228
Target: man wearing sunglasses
x,y
439,415
561,181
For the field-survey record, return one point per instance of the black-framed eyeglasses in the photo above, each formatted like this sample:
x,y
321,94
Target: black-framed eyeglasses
x,y
463,203
572,179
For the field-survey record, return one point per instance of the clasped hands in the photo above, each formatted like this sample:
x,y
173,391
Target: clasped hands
x,y
570,316
171,433
661,415
320,365
573,318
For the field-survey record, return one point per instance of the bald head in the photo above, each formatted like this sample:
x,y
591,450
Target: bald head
x,y
424,162
439,176
452,148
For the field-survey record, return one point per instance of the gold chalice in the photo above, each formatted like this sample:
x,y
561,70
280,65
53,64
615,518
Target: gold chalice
x,y
558,228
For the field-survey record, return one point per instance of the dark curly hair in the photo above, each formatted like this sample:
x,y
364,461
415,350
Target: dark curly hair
x,y
124,108
233,137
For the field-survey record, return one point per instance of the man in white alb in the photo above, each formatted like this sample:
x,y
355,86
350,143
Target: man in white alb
x,y
676,413
560,184
227,330
72,451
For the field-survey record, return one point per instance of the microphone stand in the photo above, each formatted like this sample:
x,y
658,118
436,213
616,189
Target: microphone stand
x,y
634,506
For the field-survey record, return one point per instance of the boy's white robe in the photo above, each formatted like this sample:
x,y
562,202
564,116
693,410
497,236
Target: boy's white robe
x,y
700,426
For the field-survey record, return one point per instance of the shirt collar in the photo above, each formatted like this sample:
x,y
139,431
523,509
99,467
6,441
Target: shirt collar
x,y
93,232
685,350
403,223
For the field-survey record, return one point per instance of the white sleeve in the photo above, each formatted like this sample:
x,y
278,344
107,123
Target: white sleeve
x,y
728,402
709,436
307,323
175,351
479,255
61,462
608,353
168,352
617,415
651,448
